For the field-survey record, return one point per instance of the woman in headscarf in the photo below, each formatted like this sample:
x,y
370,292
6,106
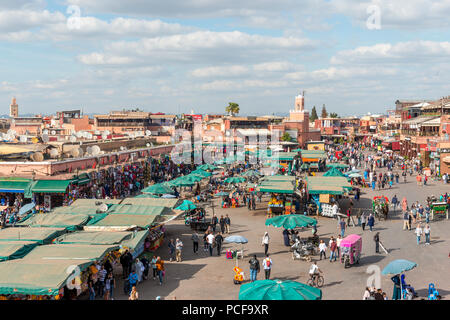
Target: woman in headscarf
x,y
404,204
396,295
286,238
139,269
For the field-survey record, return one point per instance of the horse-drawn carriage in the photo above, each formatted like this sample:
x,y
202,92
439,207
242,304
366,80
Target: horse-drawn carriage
x,y
380,207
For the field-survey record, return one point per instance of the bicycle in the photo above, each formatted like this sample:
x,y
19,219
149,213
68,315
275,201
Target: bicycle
x,y
316,281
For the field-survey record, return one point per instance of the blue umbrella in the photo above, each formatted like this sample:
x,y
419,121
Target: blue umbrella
x,y
398,266
168,196
26,208
236,239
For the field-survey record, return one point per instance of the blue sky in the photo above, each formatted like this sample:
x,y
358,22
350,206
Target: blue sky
x,y
173,56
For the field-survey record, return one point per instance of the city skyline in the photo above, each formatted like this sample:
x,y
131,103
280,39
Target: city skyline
x,y
173,57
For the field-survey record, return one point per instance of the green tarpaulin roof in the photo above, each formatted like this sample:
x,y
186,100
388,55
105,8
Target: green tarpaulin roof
x,y
327,185
86,210
337,165
277,187
314,154
10,250
14,186
278,178
139,210
147,195
153,202
36,277
39,235
127,220
68,221
137,240
57,252
95,237
93,202
51,186
285,156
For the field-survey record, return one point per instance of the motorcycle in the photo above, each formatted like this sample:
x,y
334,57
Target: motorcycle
x,y
302,250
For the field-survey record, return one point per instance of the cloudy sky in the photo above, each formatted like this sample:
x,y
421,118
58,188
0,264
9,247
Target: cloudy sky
x,y
174,56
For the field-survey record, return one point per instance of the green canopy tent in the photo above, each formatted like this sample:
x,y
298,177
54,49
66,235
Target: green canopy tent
x,y
277,178
333,172
291,221
95,237
15,249
158,188
37,234
277,187
180,182
70,252
14,185
93,202
251,173
278,290
51,186
207,166
70,222
234,180
193,177
202,173
37,277
136,242
187,205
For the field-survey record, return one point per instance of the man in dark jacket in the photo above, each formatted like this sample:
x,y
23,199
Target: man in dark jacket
x,y
254,268
376,238
219,240
125,261
222,224
214,223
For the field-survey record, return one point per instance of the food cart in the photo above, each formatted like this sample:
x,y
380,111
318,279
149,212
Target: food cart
x,y
350,252
439,208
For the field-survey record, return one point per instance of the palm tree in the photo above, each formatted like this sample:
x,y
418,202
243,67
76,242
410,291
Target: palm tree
x,y
232,108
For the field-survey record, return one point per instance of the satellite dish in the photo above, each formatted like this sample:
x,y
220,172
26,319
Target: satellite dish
x,y
53,132
73,138
107,132
23,139
12,132
97,132
148,144
54,153
95,150
148,133
89,150
85,134
45,138
104,136
79,134
45,131
89,135
122,148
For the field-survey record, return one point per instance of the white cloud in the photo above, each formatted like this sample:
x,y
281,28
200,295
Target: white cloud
x,y
225,71
402,52
23,20
102,59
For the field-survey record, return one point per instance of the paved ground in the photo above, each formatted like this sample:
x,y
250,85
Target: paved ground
x,y
201,277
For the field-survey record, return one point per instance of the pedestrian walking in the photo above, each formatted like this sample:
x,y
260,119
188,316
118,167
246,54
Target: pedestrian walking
x,y
395,202
222,224
214,222
333,250
254,268
338,244
427,232
154,268
161,269
132,280
363,221
267,265
134,294
227,223
371,221
322,249
178,248
195,239
376,238
418,233
342,225
126,260
219,240
171,246
210,239
265,242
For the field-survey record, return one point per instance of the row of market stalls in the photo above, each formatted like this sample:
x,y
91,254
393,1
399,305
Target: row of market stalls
x,y
47,252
